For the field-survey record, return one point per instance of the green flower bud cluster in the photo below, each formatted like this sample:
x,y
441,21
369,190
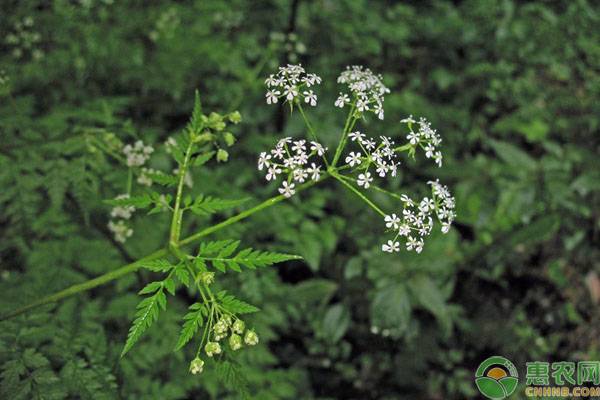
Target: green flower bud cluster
x,y
196,366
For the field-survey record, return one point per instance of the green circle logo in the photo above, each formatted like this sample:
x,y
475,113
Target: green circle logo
x,y
496,378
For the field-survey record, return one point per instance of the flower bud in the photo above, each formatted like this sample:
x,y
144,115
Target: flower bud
x,y
251,338
238,326
235,117
222,155
196,366
229,138
207,277
235,342
212,348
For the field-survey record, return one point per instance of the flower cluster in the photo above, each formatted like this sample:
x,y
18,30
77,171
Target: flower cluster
x,y
292,82
416,220
366,88
291,158
425,137
24,39
118,224
238,336
380,156
137,154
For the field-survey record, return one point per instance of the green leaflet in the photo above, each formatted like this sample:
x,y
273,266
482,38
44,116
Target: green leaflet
x,y
219,253
146,314
193,321
235,306
142,201
206,205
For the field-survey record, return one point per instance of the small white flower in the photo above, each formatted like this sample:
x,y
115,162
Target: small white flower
x,y
411,243
364,180
391,246
353,159
299,146
310,98
314,171
369,144
403,230
300,175
278,152
392,221
382,170
413,138
362,105
287,189
272,173
290,92
342,100
318,148
407,120
356,136
272,96
263,160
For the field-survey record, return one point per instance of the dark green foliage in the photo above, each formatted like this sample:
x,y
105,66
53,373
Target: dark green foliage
x,y
512,87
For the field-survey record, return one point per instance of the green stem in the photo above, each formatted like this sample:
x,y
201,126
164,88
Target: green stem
x,y
347,128
359,194
313,135
87,285
129,180
129,268
379,189
177,211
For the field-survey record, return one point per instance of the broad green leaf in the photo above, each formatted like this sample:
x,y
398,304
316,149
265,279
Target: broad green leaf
x,y
335,323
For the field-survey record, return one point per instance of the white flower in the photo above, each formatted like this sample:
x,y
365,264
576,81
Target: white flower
x,y
314,171
290,92
356,136
278,152
408,120
406,200
120,230
362,105
392,221
144,178
391,246
353,159
438,158
310,98
287,189
365,86
342,100
364,180
138,154
369,144
272,96
382,170
411,243
263,160
122,211
272,173
403,230
413,138
300,175
318,148
299,146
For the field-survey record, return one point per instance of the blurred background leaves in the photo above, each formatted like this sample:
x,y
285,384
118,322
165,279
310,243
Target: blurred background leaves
x,y
513,88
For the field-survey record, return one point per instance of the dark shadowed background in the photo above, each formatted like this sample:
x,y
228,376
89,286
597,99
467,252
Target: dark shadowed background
x,y
513,87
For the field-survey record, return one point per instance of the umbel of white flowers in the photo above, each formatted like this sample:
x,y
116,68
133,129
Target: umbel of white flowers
x,y
293,159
